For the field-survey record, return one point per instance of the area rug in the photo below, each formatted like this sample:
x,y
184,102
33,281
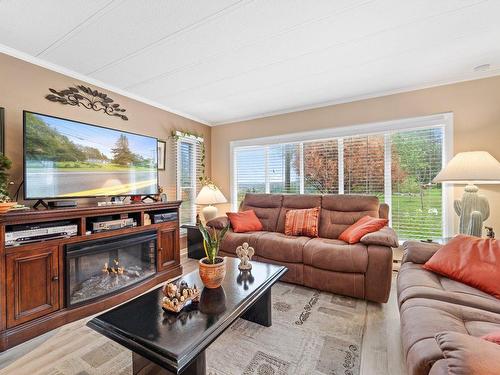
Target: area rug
x,y
312,333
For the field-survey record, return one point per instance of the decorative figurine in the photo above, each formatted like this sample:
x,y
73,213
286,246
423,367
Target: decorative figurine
x,y
489,232
178,296
245,253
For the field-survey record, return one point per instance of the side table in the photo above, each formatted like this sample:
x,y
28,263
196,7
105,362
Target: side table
x,y
194,241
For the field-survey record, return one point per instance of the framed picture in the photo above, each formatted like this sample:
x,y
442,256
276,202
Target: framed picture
x,y
2,130
162,145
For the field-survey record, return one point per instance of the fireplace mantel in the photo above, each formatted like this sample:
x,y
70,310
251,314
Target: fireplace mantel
x,y
33,294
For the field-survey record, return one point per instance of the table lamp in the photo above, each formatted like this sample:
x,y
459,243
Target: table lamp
x,y
470,168
209,195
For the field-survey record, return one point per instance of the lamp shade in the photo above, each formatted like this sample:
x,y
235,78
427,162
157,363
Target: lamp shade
x,y
474,167
210,194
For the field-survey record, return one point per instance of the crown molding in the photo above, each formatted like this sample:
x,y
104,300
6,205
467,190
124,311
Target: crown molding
x,y
84,78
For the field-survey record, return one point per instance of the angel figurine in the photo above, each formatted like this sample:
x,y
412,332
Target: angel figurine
x,y
245,253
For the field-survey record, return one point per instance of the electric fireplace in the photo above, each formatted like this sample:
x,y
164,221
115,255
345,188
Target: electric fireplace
x,y
105,266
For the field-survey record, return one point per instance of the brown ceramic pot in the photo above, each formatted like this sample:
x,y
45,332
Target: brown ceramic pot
x,y
212,275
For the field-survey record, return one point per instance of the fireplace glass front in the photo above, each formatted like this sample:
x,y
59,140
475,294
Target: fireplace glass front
x,y
99,267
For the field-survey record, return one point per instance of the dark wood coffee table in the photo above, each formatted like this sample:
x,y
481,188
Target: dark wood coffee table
x,y
168,343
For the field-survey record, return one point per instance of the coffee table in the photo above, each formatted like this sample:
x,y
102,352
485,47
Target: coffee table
x,y
168,343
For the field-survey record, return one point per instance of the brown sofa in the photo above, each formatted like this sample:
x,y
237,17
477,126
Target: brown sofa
x,y
441,315
361,270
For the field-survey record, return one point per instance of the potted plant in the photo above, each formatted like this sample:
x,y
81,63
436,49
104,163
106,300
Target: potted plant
x,y
212,267
5,201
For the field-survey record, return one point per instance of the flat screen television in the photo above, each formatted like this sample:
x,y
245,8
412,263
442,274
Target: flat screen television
x,y
70,159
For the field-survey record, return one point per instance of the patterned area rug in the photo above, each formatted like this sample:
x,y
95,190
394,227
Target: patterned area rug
x,y
313,333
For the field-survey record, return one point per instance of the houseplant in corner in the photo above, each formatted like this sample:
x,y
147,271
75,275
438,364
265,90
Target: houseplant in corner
x,y
5,203
212,267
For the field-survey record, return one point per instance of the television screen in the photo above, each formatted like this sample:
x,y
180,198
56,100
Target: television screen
x,y
70,159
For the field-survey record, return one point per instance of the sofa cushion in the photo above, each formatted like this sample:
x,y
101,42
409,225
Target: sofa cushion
x,y
266,207
340,211
336,255
281,248
232,240
295,202
416,282
244,221
303,222
493,337
360,228
467,355
422,319
470,260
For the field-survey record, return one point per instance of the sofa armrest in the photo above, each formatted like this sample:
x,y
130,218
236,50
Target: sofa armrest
x,y
419,252
470,355
383,237
218,223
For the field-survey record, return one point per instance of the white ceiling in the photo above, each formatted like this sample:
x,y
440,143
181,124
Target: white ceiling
x,y
220,61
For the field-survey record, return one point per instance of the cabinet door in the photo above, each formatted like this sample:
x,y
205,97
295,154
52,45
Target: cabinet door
x,y
168,248
32,284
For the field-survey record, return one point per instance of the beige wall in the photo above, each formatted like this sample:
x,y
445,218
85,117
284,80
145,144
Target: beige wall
x,y
475,104
23,86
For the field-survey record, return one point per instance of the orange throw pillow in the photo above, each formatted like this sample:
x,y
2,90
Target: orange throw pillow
x,y
471,260
493,337
365,225
302,222
244,221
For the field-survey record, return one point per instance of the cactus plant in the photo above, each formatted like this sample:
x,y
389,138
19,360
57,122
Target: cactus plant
x,y
473,209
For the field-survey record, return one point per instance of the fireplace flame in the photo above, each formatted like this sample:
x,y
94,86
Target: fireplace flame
x,y
115,269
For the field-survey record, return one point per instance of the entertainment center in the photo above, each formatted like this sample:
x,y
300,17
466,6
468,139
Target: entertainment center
x,y
49,282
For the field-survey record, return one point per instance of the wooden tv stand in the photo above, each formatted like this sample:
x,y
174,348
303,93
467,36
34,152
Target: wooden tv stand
x,y
32,282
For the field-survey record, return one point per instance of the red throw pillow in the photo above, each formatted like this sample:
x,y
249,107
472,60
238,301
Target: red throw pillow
x,y
493,337
244,221
302,222
365,225
471,260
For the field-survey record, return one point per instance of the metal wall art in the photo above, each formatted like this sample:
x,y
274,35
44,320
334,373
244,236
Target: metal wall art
x,y
87,98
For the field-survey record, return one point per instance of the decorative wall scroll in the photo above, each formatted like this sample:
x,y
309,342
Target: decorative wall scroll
x,y
87,98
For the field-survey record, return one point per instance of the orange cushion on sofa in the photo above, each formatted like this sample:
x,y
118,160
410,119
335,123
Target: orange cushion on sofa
x,y
471,260
492,337
302,222
365,225
244,221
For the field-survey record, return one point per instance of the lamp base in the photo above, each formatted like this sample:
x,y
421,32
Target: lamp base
x,y
209,213
473,210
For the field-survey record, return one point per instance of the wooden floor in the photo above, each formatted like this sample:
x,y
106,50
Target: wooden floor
x,y
381,349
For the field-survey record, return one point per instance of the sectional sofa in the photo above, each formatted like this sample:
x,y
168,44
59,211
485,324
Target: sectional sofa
x,y
361,270
432,305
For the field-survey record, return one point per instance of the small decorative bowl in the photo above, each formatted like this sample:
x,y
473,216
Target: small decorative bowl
x,y
5,207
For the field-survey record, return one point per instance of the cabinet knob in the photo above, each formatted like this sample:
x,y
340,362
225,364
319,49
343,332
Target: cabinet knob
x,y
160,249
55,278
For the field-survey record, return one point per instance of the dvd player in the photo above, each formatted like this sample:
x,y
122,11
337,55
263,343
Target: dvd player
x,y
22,234
101,226
163,217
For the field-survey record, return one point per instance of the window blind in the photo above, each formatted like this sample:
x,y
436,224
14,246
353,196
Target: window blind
x,y
189,169
396,166
417,203
364,171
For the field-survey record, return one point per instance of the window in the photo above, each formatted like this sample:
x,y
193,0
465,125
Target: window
x,y
395,161
189,170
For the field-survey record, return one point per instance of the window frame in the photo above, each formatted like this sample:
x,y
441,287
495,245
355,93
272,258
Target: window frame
x,y
444,120
194,177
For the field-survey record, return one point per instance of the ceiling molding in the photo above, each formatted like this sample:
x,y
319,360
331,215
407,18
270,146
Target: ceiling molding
x,y
81,77
374,95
